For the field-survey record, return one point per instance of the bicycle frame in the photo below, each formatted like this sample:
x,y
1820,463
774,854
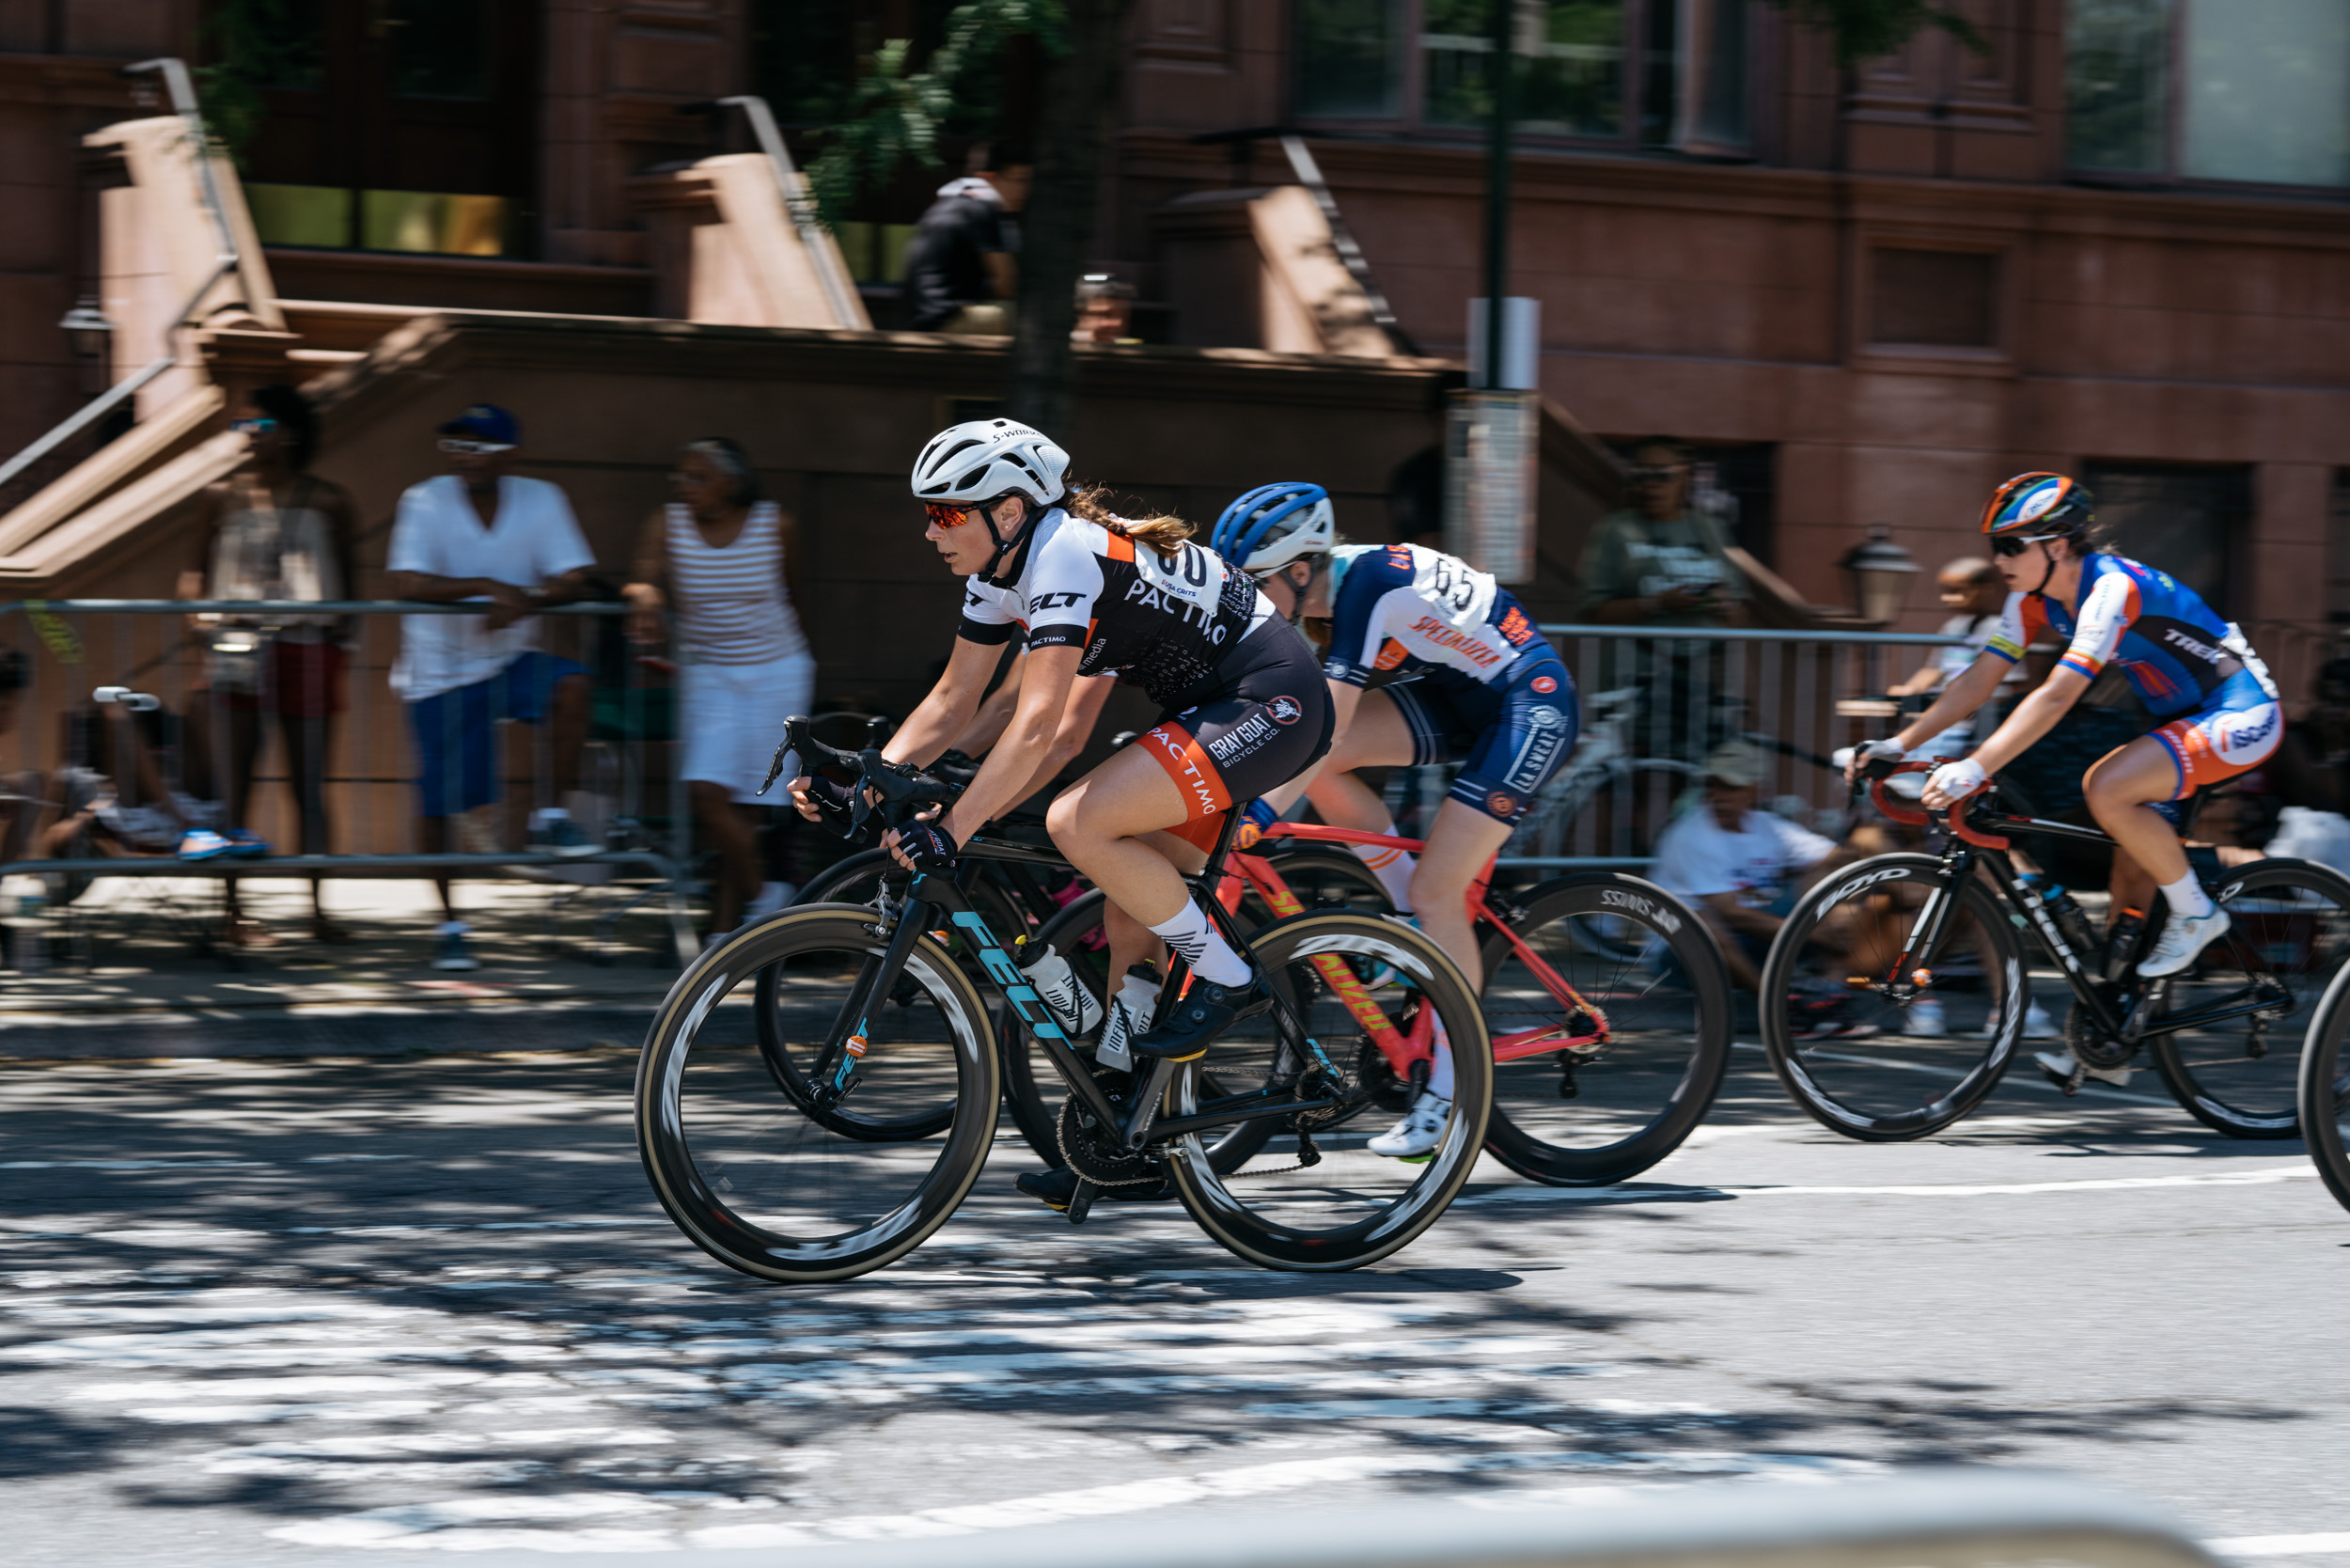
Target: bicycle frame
x,y
932,896
1266,878
1979,840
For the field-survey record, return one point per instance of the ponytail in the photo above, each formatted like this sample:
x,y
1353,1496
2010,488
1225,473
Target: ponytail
x,y
1163,533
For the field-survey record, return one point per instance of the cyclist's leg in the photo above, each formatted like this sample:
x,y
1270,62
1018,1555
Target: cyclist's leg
x,y
1385,733
1103,822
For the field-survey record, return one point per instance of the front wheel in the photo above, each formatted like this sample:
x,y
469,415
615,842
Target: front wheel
x,y
2325,1089
1611,1021
1314,1197
2289,930
758,1182
1874,1038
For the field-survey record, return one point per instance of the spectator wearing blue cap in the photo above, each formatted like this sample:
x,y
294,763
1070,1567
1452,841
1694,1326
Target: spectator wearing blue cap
x,y
480,533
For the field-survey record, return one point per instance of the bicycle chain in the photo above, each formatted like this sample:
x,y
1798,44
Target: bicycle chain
x,y
1081,1143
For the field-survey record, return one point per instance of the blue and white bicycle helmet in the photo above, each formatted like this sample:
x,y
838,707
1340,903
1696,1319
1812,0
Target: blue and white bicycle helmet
x,y
1274,525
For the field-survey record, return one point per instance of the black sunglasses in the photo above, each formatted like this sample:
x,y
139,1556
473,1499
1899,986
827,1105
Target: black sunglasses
x,y
2014,543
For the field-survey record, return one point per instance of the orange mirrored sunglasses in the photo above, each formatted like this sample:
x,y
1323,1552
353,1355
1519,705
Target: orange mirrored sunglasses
x,y
949,514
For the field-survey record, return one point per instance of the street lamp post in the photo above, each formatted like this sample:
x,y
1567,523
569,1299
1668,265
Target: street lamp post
x,y
1881,572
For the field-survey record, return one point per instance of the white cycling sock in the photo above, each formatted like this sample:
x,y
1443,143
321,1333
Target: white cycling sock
x,y
1393,868
2188,900
1202,945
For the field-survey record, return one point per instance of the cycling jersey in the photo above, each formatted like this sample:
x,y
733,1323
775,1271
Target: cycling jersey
x,y
2174,649
2188,664
1163,625
1404,605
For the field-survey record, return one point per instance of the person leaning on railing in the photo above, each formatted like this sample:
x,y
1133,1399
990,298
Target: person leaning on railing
x,y
479,532
274,531
722,561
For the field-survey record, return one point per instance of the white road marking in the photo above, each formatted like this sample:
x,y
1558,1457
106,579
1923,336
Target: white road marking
x,y
2281,1545
2300,1171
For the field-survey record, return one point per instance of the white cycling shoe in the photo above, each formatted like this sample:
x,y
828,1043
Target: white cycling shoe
x,y
2068,1073
1416,1135
2182,941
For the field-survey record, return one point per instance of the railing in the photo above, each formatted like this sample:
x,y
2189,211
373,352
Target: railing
x,y
1657,701
141,719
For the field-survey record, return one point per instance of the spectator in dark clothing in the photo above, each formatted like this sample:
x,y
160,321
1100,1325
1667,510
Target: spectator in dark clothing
x,y
960,274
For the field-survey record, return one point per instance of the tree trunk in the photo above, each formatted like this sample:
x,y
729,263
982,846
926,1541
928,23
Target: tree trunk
x,y
1056,232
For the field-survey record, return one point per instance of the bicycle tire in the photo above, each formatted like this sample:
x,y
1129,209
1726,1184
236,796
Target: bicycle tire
x,y
1033,1092
2322,1097
1668,1006
1366,1208
731,1158
1873,1090
2290,922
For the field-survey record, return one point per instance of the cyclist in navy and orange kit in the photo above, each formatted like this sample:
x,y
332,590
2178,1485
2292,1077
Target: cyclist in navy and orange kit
x,y
2197,674
1486,690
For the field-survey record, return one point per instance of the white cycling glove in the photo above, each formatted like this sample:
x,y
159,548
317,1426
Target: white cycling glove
x,y
1958,779
1877,751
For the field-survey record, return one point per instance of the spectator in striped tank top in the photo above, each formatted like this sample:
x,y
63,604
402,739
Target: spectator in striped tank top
x,y
725,566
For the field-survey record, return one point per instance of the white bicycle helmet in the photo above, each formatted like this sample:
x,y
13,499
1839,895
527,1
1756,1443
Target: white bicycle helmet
x,y
987,459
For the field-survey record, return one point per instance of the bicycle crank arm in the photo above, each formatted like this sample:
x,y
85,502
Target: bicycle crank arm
x,y
1081,1202
1147,1103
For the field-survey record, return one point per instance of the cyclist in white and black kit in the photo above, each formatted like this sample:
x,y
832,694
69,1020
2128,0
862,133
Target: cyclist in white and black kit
x,y
1244,705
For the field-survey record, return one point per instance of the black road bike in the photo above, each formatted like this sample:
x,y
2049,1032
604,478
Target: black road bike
x,y
1896,992
818,1094
2325,1089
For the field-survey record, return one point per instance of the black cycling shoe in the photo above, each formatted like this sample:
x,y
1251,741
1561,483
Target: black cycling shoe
x,y
1206,1011
1057,1189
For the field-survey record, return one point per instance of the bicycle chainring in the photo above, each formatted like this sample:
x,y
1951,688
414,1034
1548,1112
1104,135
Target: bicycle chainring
x,y
2090,1046
1097,1152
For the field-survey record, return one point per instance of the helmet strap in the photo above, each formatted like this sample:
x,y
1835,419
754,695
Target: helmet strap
x,y
2049,556
1006,546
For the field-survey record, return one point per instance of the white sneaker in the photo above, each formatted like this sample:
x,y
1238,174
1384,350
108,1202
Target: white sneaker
x,y
1923,1017
1416,1135
2065,1071
2182,941
2037,1024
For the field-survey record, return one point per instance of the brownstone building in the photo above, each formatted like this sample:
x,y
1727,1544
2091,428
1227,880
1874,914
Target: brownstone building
x,y
2115,241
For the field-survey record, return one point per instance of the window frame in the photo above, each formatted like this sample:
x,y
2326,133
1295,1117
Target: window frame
x,y
1412,101
2173,175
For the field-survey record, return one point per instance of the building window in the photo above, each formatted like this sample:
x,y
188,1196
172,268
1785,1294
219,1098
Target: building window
x,y
1933,298
2253,90
2180,518
1670,73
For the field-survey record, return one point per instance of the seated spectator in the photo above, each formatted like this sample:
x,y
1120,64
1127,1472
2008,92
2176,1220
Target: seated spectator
x,y
725,564
961,275
1739,866
1105,308
480,533
1971,588
275,531
115,793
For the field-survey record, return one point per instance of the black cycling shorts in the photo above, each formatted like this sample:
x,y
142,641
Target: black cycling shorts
x,y
1510,737
1269,722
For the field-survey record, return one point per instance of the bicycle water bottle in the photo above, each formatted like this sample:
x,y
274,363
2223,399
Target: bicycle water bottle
x,y
1053,981
2070,918
2124,948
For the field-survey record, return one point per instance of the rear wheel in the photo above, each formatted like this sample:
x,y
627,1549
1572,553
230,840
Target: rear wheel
x,y
1589,1113
1868,1061
2289,932
1314,1197
746,1170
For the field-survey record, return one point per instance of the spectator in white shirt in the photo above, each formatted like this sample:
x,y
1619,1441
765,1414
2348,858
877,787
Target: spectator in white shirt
x,y
1736,865
479,532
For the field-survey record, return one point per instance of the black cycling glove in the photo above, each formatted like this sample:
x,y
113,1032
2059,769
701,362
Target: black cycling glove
x,y
929,846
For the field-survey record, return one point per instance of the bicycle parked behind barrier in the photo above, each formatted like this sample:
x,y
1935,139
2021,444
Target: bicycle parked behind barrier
x,y
846,1134
1875,943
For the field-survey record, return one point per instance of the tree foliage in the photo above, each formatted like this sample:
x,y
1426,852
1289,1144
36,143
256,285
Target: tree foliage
x,y
1865,29
896,115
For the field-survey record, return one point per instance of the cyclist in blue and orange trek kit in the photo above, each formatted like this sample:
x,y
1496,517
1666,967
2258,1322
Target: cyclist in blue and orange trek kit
x,y
2193,670
1245,709
1485,689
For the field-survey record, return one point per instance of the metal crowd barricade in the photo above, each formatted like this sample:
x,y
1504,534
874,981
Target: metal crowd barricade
x,y
1655,701
151,707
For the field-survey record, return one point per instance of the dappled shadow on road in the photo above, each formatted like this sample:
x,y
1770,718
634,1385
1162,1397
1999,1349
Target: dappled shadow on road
x,y
359,1303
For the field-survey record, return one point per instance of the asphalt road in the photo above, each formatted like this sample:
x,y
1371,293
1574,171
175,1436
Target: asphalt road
x,y
278,1312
